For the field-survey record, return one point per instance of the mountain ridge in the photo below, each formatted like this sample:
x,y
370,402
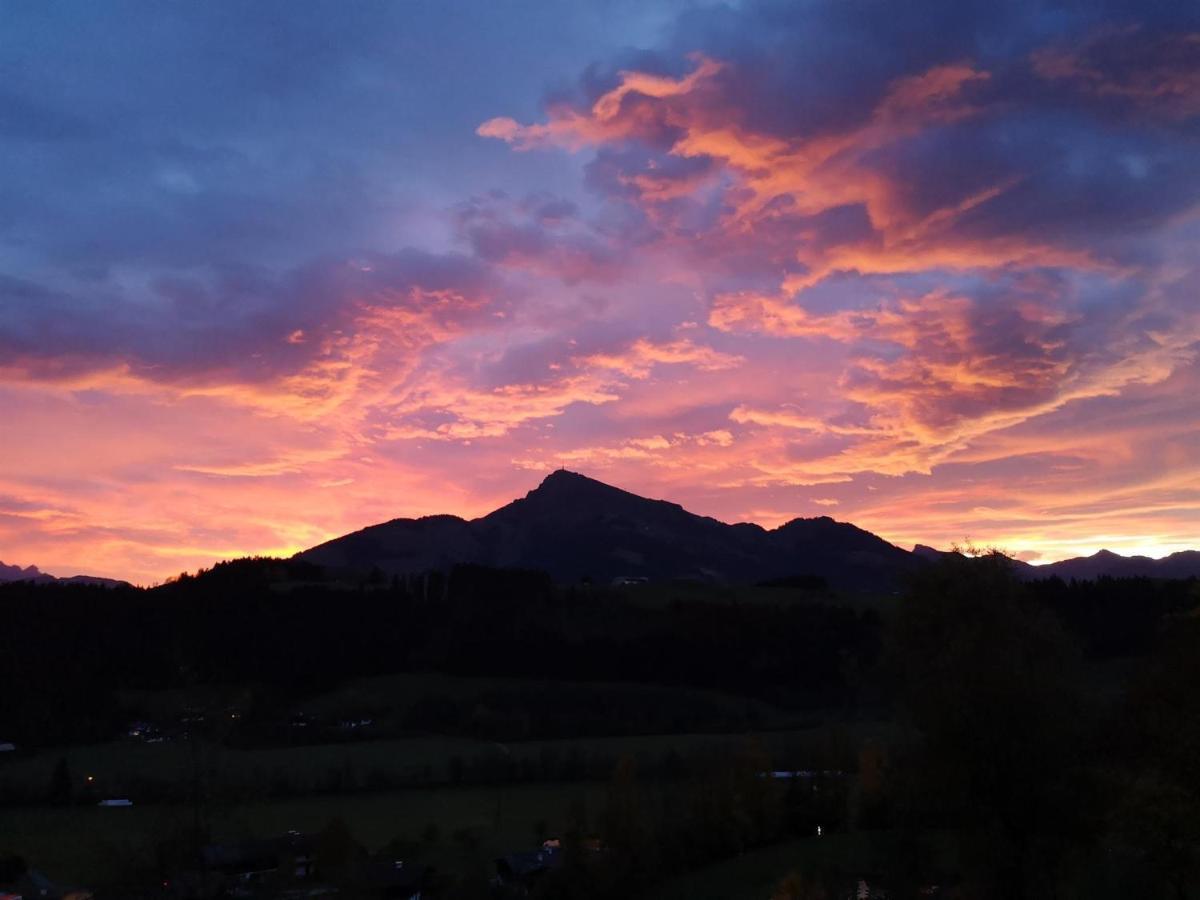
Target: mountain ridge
x,y
1180,564
578,528
11,573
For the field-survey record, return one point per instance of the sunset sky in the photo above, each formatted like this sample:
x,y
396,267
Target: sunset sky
x,y
271,272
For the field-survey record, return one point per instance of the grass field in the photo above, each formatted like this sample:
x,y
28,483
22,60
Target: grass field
x,y
847,856
474,825
91,845
397,692
119,768
388,699
754,875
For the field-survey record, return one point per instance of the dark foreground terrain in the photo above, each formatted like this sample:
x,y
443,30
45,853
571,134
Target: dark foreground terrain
x,y
276,728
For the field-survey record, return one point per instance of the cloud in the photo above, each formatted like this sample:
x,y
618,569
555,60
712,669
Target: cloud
x,y
641,357
1140,71
618,114
542,235
469,413
238,324
1047,309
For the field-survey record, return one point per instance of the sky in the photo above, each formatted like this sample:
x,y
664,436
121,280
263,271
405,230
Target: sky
x,y
273,272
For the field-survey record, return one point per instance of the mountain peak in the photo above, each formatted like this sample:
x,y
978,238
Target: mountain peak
x,y
16,573
566,477
564,485
574,527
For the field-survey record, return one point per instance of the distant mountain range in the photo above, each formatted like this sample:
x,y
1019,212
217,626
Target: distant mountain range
x,y
1184,564
576,528
34,574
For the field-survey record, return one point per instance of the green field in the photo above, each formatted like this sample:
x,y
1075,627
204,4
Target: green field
x,y
91,845
754,875
388,697
473,823
121,768
848,856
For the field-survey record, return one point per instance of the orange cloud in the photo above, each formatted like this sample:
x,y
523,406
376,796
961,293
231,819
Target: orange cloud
x,y
640,358
610,117
810,174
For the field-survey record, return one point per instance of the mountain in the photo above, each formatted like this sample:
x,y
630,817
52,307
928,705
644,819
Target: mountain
x,y
1021,568
29,573
1104,563
34,574
1184,564
575,527
930,554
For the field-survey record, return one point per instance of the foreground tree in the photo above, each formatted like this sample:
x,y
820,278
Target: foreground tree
x,y
988,687
1159,818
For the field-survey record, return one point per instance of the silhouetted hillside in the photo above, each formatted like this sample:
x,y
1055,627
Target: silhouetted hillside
x,y
1102,564
28,573
576,528
37,576
1105,563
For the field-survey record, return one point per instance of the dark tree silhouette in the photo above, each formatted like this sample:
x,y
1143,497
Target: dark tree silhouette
x,y
988,681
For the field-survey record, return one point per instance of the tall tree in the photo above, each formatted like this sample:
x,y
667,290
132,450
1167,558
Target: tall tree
x,y
1160,815
988,684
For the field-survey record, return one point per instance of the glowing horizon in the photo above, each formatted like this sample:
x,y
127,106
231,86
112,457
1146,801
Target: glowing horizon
x,y
273,277
1017,545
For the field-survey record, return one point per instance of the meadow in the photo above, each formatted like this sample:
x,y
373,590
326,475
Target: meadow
x,y
455,827
166,771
